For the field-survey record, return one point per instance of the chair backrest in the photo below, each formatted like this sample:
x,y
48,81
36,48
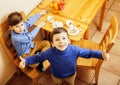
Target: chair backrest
x,y
5,39
109,38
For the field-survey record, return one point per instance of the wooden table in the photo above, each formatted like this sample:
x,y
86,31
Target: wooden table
x,y
48,27
81,12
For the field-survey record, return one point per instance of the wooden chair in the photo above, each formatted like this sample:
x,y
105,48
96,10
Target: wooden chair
x,y
106,43
34,74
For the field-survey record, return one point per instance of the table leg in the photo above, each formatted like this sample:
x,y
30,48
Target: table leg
x,y
102,16
86,34
47,35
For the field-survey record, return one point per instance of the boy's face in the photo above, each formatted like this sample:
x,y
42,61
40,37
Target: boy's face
x,y
61,41
19,28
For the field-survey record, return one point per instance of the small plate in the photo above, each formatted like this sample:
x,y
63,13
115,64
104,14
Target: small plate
x,y
73,31
50,19
57,24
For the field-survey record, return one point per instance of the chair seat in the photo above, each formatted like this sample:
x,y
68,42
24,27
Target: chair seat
x,y
32,72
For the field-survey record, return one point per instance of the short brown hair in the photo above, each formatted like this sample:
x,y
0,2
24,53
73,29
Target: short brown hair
x,y
14,18
57,31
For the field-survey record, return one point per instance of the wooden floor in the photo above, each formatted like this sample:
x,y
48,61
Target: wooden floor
x,y
110,71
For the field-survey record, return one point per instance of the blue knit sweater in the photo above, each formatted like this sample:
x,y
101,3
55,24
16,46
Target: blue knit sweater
x,y
63,63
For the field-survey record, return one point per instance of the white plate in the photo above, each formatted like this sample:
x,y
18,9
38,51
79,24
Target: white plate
x,y
50,19
73,31
57,24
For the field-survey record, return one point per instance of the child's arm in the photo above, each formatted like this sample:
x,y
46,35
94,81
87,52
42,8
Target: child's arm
x,y
32,19
41,24
87,53
34,32
22,63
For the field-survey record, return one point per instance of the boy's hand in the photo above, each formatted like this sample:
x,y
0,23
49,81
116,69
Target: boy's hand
x,y
43,12
41,24
22,63
105,56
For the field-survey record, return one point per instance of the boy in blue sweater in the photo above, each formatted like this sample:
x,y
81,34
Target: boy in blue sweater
x,y
22,39
62,57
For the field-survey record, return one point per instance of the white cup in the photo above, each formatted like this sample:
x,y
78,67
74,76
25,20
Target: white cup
x,y
69,23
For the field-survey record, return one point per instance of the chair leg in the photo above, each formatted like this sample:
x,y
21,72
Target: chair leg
x,y
102,16
18,72
97,70
96,76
